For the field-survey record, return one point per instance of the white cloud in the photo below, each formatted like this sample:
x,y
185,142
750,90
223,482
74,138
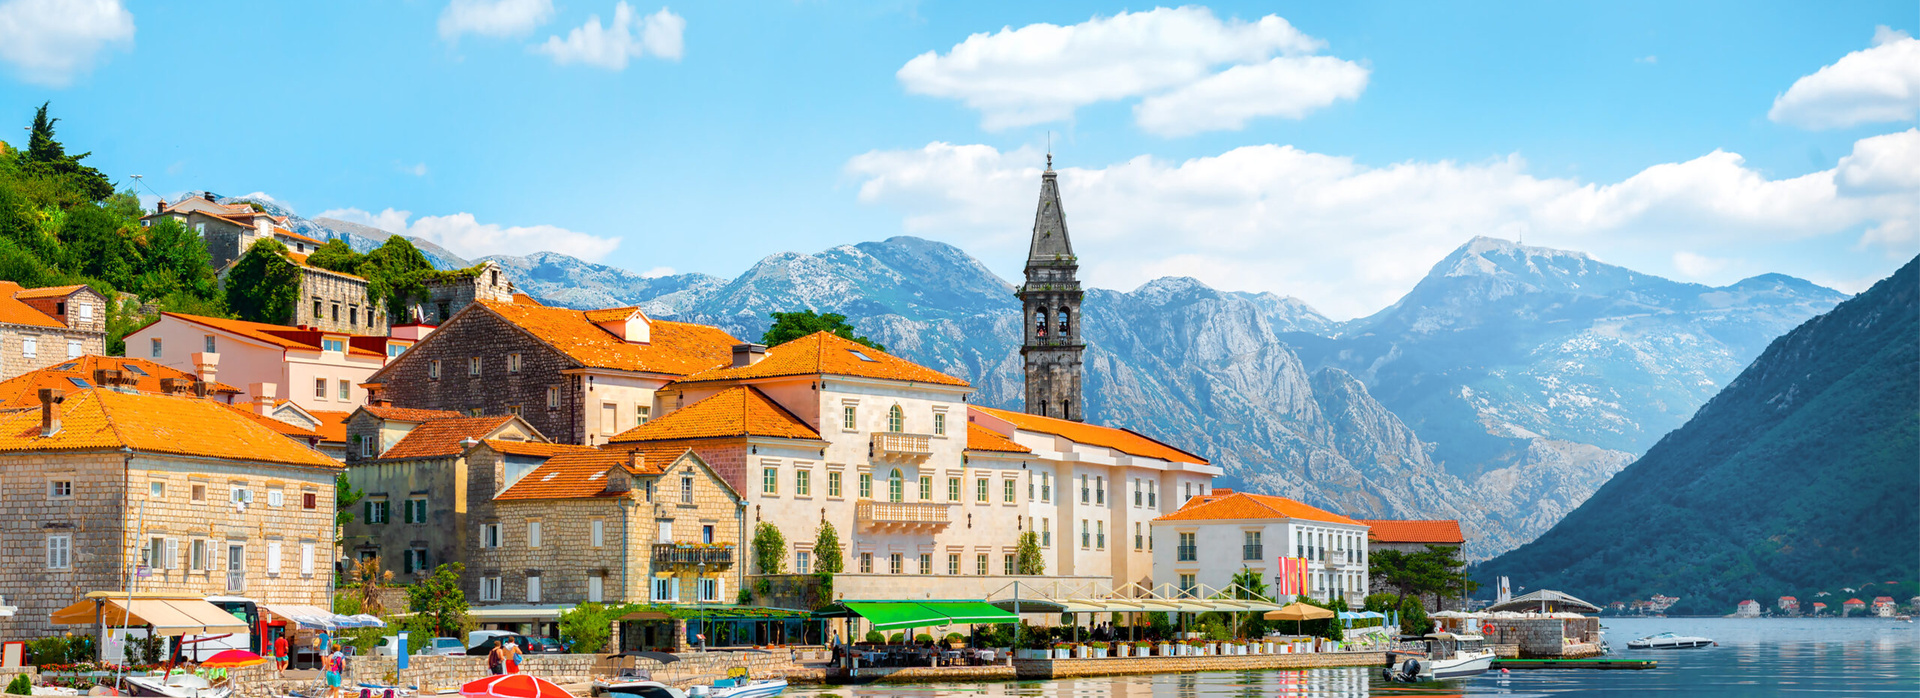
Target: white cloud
x,y
1649,60
1351,238
495,18
1874,85
48,42
418,169
1173,57
470,238
657,272
1697,266
609,46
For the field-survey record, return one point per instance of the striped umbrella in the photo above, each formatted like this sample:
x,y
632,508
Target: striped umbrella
x,y
513,686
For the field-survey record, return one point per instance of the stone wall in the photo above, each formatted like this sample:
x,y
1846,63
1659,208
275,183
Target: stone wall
x,y
408,381
336,302
50,343
1545,637
566,557
1112,666
446,298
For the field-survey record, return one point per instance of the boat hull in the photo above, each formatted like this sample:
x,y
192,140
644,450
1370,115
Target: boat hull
x,y
758,689
1462,667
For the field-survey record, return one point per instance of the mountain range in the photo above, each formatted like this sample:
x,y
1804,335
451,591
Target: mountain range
x,y
1797,478
1502,391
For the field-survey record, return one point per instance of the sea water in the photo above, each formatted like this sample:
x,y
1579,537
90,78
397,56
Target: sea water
x,y
1755,657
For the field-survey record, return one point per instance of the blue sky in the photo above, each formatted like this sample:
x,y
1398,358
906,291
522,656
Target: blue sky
x,y
1331,151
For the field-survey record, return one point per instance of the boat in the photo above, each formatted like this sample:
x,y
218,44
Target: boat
x,y
1669,641
179,685
629,681
1448,656
739,685
646,689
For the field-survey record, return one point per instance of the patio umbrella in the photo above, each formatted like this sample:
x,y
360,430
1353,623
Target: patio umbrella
x,y
233,659
514,686
1297,612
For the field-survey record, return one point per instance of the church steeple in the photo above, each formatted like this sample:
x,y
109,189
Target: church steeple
x,y
1051,348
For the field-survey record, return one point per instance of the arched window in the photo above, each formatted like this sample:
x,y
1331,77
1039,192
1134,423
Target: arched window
x,y
896,419
1065,325
1043,409
1040,322
894,493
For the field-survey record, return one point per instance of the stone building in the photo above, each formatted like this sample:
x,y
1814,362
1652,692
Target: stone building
x,y
230,229
453,291
22,392
579,376
1052,347
372,429
421,493
42,327
333,301
928,494
206,500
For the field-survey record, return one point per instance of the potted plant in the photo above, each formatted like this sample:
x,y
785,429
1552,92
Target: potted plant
x,y
1063,650
956,641
1163,649
1100,650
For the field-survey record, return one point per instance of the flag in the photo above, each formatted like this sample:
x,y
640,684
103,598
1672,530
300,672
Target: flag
x,y
1292,579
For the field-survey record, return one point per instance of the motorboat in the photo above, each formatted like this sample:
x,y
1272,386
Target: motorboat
x,y
178,685
1449,656
629,681
1669,641
741,687
646,689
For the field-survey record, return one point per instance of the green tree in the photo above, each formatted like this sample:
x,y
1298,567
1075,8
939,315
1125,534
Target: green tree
x,y
264,285
439,602
828,560
336,256
397,275
176,261
791,326
46,156
769,549
587,627
1028,559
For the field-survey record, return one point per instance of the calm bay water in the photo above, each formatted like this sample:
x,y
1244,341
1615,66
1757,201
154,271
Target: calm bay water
x,y
1756,657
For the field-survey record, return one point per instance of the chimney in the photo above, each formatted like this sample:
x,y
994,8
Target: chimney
x,y
206,365
50,400
199,388
263,395
160,207
748,354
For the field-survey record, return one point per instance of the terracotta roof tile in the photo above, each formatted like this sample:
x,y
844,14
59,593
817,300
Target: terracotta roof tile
x,y
49,291
980,438
737,411
822,353
105,420
274,424
408,414
276,335
441,438
1242,506
333,425
14,312
574,475
524,299
288,233
1437,532
1122,440
540,449
23,391
675,348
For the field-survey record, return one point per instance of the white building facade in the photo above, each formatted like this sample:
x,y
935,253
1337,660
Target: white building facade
x,y
1200,548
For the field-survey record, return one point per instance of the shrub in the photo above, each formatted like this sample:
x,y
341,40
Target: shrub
x,y
895,639
923,637
955,637
874,637
20,685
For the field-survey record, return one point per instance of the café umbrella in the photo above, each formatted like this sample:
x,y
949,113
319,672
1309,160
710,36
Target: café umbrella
x,y
1298,612
513,686
233,659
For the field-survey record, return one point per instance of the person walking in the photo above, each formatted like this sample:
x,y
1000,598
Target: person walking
x,y
496,658
511,659
280,654
336,669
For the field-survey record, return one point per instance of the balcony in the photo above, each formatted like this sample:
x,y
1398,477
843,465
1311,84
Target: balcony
x,y
900,516
693,555
893,444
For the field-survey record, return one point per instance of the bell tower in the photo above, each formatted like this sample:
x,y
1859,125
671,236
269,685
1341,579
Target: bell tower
x,y
1052,345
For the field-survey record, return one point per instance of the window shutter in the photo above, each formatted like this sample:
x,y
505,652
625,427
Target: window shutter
x,y
306,559
173,554
719,590
273,558
673,589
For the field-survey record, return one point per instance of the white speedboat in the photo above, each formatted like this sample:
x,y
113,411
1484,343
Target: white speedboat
x,y
741,688
641,689
1669,641
176,686
1449,656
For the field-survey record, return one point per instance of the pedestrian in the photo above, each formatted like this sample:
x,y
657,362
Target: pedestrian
x,y
281,653
336,668
511,659
496,658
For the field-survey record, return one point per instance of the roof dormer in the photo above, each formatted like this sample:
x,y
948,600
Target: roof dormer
x,y
632,326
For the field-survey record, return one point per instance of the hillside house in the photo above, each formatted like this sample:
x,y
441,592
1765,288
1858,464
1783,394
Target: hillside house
x,y
318,370
230,229
1883,606
42,327
203,498
1747,609
1788,606
1850,605
579,376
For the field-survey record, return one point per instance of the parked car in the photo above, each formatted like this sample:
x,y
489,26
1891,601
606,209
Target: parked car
x,y
547,645
481,642
451,646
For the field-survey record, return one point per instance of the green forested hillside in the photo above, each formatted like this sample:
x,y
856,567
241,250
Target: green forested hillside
x,y
61,222
1803,475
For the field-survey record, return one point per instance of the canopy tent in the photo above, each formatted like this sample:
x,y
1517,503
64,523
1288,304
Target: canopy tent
x,y
1546,601
316,618
1345,615
167,616
893,615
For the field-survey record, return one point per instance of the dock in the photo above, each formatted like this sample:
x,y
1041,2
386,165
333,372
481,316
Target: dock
x,y
1575,663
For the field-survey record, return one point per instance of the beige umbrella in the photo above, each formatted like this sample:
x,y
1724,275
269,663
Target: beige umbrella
x,y
1297,612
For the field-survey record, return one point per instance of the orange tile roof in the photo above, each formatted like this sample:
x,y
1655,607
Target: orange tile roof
x,y
574,475
49,291
734,412
822,353
1242,506
333,425
1123,440
441,438
108,420
277,335
675,348
407,414
538,449
1436,531
274,424
980,438
23,391
524,299
14,312
296,236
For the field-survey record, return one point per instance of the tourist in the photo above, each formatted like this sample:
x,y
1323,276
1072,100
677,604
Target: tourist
x,y
336,667
280,654
510,658
496,658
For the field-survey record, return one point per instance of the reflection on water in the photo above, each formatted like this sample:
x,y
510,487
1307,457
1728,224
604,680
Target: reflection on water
x,y
1756,657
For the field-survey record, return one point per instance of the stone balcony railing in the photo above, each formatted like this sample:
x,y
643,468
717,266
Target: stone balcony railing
x,y
891,444
683,555
900,516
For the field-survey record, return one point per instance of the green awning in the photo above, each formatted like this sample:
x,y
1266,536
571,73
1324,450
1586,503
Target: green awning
x,y
971,612
893,616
